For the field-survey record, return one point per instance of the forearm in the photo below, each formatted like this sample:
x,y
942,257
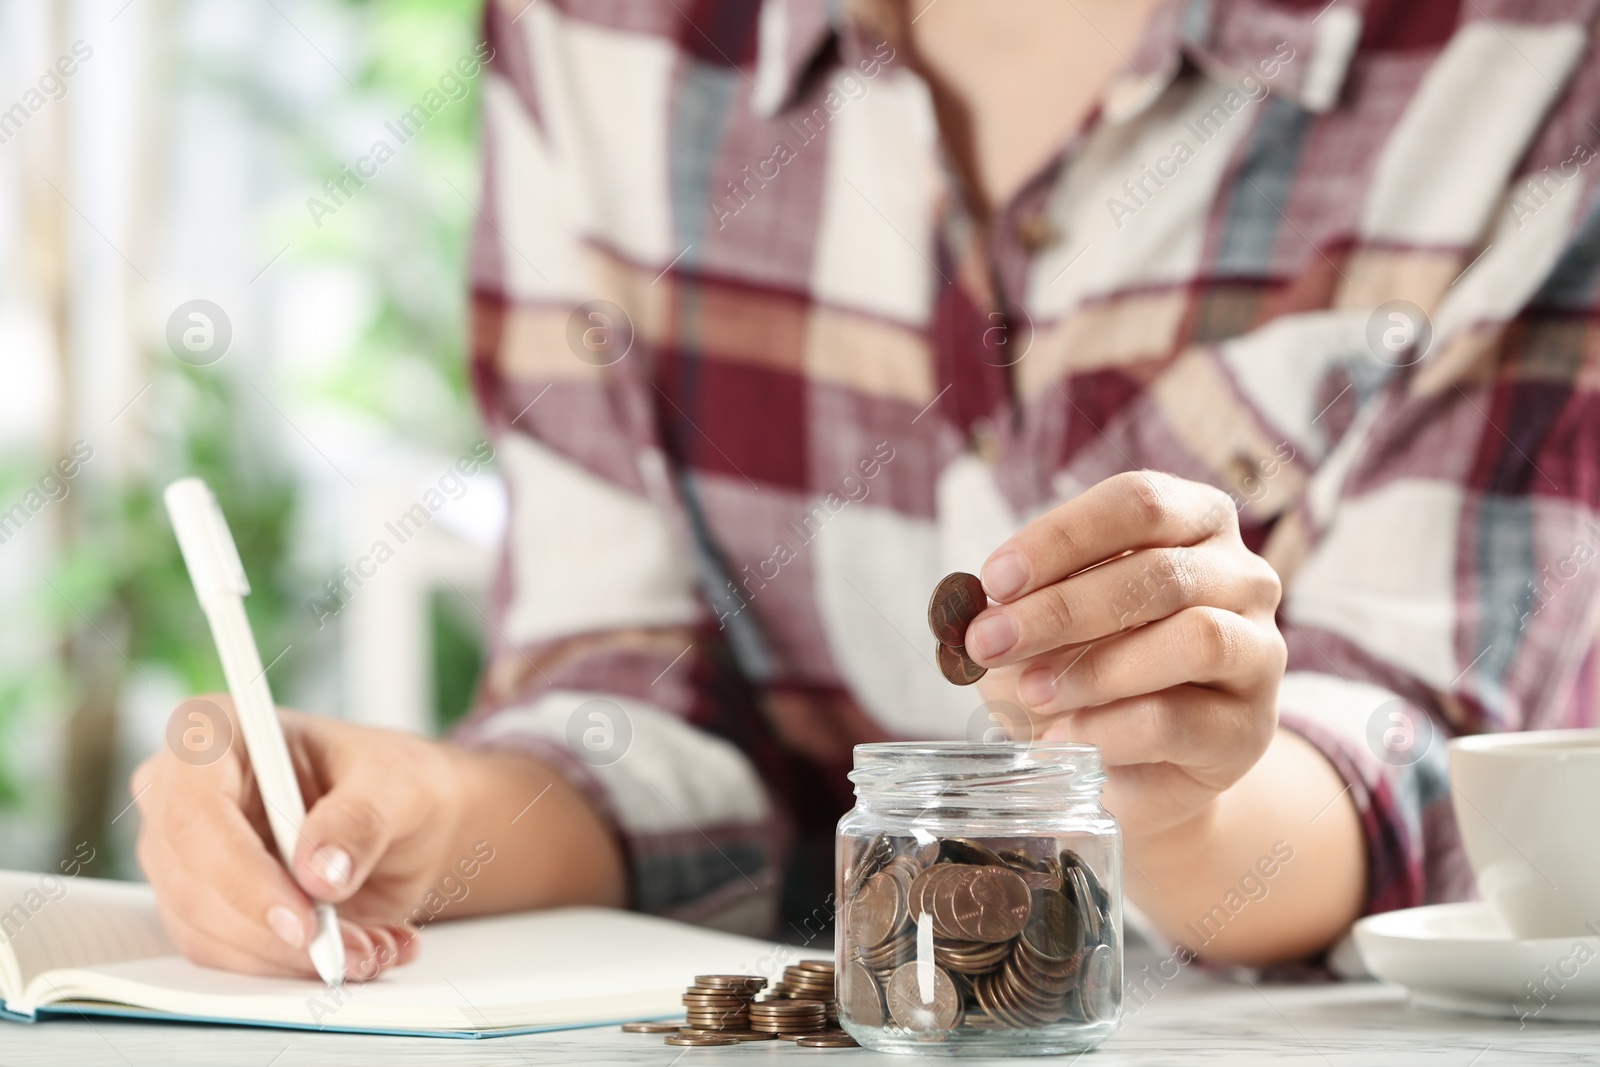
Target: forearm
x,y
550,845
1274,871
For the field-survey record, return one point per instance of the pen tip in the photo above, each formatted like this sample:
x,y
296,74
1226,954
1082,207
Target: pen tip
x,y
327,948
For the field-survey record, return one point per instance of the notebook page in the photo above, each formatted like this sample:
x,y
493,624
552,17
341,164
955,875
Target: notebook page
x,y
50,921
560,967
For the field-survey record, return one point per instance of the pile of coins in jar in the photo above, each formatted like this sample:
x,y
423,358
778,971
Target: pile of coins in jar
x,y
722,1009
1019,941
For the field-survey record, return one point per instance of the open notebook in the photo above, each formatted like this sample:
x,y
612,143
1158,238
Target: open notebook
x,y
79,946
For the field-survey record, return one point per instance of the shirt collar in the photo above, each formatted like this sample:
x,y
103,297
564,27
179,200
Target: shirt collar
x,y
790,33
1225,38
1302,52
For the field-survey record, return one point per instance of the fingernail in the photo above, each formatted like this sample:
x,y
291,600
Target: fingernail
x,y
1037,687
1005,575
287,925
333,865
992,636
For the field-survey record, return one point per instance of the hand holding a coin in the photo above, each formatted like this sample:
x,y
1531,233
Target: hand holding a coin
x,y
1133,617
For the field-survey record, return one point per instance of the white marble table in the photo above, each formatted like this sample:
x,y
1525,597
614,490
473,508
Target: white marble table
x,y
1195,1019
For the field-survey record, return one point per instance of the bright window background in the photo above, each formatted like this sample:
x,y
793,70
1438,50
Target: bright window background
x,y
179,162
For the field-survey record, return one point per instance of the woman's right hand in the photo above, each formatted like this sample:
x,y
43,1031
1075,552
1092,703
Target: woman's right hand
x,y
383,816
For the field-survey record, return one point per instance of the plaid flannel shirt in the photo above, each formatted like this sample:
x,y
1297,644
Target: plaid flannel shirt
x,y
815,382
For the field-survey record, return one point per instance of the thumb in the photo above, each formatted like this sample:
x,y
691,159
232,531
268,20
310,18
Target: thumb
x,y
345,835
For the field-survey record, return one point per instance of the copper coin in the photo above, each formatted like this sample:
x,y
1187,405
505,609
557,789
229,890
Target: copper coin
x,y
892,953
946,895
1021,861
942,1009
701,1039
731,981
1053,932
971,957
817,966
904,871
809,1011
917,901
877,912
927,887
957,667
860,997
1002,901
1096,991
862,863
1040,879
965,850
956,601
839,1040
651,1028
788,1008
1088,907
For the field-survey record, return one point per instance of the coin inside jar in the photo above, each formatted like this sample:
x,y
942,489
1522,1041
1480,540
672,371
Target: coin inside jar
x,y
979,901
1018,931
859,995
940,1011
997,905
876,912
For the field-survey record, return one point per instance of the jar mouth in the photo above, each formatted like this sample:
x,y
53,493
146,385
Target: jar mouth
x,y
930,768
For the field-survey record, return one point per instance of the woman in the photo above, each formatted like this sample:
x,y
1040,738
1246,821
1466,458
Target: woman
x,y
1275,311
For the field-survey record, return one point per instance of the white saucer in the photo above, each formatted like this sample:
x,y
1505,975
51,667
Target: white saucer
x,y
1461,958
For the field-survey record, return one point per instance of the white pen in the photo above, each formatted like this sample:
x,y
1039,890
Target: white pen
x,y
221,586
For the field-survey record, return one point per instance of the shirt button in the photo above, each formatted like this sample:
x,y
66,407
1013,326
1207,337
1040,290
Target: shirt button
x,y
1037,233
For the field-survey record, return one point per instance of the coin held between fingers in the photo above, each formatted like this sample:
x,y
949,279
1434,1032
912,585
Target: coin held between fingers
x,y
956,601
957,666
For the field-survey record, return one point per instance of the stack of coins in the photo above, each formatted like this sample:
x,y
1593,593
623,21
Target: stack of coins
x,y
809,980
1021,936
788,1018
957,600
721,1009
720,1004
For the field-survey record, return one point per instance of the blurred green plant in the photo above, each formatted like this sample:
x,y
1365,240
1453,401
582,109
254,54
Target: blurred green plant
x,y
126,564
407,227
121,597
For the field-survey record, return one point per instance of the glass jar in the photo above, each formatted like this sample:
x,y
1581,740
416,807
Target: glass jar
x,y
979,899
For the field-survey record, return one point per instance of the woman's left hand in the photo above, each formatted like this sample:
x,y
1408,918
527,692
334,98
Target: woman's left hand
x,y
1133,617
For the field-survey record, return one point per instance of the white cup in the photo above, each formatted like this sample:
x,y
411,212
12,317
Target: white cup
x,y
1528,805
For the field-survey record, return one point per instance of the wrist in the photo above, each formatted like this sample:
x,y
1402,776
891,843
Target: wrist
x,y
460,774
556,847
1175,847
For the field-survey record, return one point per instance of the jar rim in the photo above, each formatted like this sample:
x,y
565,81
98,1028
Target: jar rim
x,y
938,748
972,768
